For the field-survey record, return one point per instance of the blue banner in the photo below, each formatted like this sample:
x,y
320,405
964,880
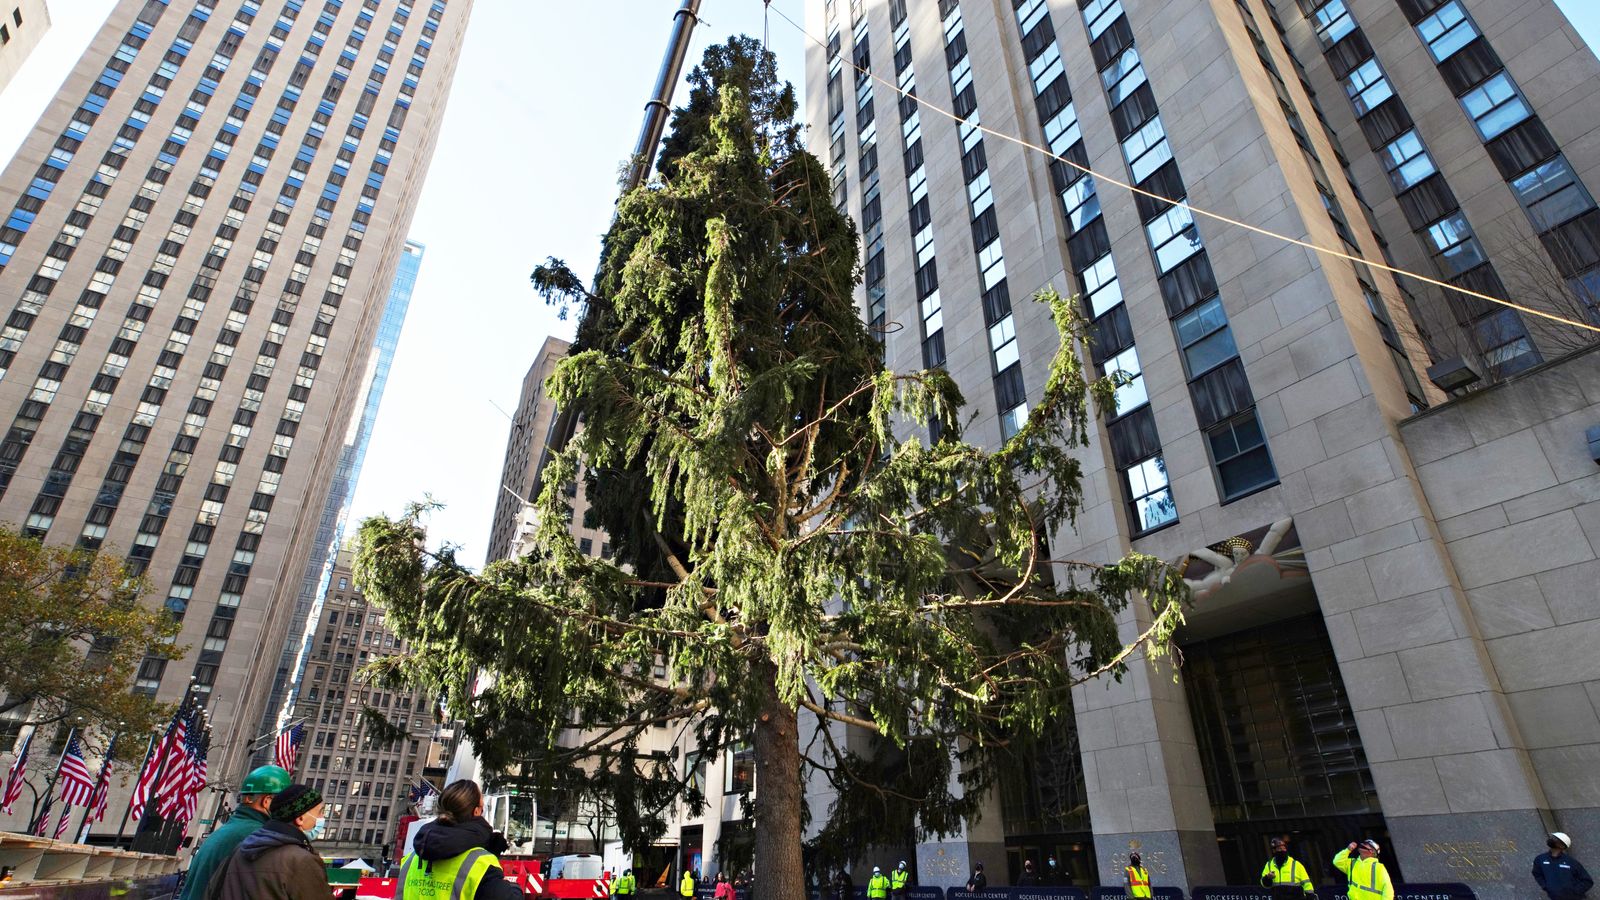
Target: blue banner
x,y
1121,893
1449,891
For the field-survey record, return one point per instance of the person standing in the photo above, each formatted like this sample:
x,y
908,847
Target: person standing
x,y
453,856
686,886
255,796
844,887
978,881
1365,877
1283,875
899,880
1559,875
724,888
625,885
1030,875
1137,877
277,861
1053,876
877,885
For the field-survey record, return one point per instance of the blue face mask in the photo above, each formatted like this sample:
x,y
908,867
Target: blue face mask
x,y
314,832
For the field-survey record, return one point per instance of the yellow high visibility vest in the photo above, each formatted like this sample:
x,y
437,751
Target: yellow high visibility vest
x,y
1138,882
898,879
686,887
1367,879
456,878
1290,873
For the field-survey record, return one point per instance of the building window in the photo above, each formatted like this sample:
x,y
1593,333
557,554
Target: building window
x,y
1446,31
1495,106
1239,450
1407,161
1205,338
739,775
1333,23
1131,394
1367,87
1551,193
1454,245
1150,495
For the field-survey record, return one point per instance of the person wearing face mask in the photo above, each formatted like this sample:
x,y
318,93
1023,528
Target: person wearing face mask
x,y
1560,875
1137,876
277,861
454,855
1283,875
255,796
1053,876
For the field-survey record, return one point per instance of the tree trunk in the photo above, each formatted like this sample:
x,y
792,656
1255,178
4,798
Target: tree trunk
x,y
779,873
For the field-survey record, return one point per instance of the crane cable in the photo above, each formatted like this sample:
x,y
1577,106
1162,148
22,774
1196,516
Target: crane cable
x,y
1135,189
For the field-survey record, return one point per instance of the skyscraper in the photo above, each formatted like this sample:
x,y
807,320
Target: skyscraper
x,y
22,24
203,230
525,449
365,769
1349,668
336,510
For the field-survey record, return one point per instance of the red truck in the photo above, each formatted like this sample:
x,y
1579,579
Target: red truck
x,y
574,876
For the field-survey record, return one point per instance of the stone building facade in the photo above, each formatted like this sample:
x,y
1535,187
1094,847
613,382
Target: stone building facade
x,y
22,24
1278,434
201,233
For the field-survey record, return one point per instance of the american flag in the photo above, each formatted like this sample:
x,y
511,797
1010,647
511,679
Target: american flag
x,y
61,823
44,815
18,772
288,747
420,790
197,778
102,789
179,774
73,775
145,789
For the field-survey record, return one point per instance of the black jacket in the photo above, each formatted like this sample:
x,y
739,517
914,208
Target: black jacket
x,y
441,840
1563,877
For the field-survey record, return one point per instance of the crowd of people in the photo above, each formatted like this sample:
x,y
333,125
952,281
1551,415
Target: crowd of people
x,y
267,851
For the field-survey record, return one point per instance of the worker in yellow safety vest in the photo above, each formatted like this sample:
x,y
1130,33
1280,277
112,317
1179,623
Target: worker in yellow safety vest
x,y
686,887
877,886
1365,877
1283,875
625,885
1138,878
451,860
898,880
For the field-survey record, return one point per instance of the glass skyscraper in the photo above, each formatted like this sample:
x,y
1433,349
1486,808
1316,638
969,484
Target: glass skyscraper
x,y
336,512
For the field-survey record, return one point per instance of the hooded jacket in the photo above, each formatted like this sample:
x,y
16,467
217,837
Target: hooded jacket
x,y
441,840
215,850
275,862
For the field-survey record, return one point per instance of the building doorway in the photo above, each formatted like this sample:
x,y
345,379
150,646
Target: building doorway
x,y
1278,742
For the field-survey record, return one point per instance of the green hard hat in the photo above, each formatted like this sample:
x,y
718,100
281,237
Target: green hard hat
x,y
265,780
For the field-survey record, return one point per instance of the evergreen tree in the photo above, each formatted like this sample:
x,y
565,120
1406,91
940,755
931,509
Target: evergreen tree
x,y
786,543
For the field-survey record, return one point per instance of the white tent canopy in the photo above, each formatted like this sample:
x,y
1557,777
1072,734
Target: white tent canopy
x,y
358,864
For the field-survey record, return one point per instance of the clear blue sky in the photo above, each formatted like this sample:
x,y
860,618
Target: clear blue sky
x,y
546,107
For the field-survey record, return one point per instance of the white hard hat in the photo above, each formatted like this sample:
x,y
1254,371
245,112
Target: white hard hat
x,y
876,870
1562,837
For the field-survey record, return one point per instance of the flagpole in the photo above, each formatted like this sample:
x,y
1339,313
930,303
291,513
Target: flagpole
x,y
50,785
105,778
150,804
128,811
